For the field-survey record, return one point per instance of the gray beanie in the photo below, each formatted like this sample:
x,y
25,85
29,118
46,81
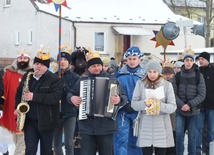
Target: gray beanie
x,y
178,64
154,65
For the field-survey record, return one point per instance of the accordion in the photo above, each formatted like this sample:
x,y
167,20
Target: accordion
x,y
95,93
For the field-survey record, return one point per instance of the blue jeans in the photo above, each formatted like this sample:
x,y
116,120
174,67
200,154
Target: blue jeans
x,y
208,117
190,122
124,141
69,126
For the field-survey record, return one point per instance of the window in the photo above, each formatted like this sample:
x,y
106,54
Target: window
x,y
99,41
201,19
17,38
7,2
30,37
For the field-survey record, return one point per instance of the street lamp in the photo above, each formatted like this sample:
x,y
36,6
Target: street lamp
x,y
184,24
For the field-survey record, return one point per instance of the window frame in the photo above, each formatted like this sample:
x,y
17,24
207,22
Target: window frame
x,y
17,38
30,37
7,3
104,41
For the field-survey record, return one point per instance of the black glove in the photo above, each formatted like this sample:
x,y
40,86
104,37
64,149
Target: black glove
x,y
128,108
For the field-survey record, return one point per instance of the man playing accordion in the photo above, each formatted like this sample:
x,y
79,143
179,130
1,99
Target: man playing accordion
x,y
97,131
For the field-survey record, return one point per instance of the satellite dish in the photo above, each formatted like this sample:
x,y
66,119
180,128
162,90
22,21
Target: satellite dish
x,y
170,31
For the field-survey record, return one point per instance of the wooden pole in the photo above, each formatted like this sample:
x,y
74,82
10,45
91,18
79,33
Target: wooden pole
x,y
60,36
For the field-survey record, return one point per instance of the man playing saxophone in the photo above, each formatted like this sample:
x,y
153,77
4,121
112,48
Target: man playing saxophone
x,y
43,96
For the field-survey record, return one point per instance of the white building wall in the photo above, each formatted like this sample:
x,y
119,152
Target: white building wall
x,y
44,26
23,18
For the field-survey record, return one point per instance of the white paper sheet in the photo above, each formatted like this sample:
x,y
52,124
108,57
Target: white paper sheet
x,y
155,93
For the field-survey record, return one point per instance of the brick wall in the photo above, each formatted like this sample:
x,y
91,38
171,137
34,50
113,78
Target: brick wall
x,y
5,62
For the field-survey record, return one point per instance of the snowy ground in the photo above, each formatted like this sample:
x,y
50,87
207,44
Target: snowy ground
x,y
12,147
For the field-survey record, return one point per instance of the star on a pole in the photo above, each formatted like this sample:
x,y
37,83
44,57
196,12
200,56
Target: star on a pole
x,y
161,40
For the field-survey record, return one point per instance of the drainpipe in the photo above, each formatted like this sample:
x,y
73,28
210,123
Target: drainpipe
x,y
75,34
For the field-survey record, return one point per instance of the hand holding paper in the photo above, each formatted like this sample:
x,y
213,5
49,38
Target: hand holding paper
x,y
155,93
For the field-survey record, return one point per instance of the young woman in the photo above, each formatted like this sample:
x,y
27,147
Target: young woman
x,y
68,111
155,130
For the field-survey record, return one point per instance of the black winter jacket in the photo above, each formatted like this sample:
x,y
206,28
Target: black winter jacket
x,y
68,109
208,73
98,125
188,91
44,107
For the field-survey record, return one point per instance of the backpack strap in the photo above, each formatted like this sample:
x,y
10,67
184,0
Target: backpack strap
x,y
177,78
197,77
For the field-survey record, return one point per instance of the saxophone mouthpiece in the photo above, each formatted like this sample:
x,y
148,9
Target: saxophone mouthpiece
x,y
36,71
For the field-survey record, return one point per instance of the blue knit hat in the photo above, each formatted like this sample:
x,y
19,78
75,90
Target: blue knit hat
x,y
133,51
188,56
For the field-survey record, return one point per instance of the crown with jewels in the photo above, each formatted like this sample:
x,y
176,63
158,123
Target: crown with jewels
x,y
92,55
167,63
43,54
23,52
66,49
188,51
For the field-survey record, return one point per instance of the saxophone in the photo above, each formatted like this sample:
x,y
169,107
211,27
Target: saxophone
x,y
23,107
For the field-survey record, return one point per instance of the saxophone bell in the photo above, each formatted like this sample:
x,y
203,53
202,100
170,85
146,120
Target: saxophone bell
x,y
22,109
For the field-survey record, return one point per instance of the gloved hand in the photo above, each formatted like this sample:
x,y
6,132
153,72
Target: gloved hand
x,y
128,108
1,113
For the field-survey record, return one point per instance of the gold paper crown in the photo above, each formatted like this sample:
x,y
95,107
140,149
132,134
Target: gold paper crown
x,y
23,52
66,49
43,54
188,51
168,64
54,66
92,55
106,61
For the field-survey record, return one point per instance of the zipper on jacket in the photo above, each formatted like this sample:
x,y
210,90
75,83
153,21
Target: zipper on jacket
x,y
50,113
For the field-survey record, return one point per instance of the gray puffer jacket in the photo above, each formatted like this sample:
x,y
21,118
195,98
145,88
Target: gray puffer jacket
x,y
154,130
189,91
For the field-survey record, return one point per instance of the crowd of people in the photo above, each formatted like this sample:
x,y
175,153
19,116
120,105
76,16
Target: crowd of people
x,y
155,104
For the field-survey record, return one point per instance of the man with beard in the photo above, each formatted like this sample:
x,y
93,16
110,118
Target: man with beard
x,y
12,78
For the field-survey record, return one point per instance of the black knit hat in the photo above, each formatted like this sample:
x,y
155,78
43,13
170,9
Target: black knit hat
x,y
66,56
93,58
43,57
205,55
94,61
44,62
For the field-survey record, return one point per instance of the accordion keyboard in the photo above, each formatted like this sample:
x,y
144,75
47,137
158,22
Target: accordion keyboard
x,y
83,95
